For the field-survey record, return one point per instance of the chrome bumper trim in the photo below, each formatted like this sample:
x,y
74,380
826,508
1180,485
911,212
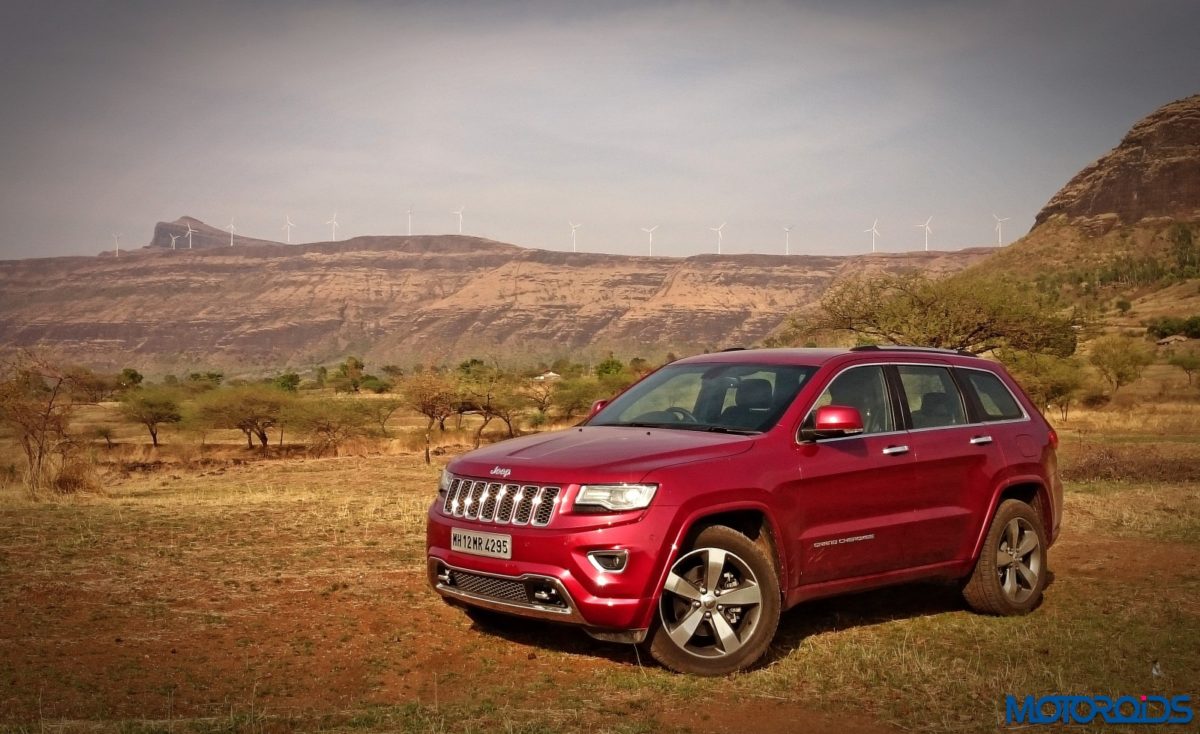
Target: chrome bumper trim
x,y
568,615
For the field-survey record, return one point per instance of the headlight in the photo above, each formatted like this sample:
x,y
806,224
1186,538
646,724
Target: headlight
x,y
615,496
444,482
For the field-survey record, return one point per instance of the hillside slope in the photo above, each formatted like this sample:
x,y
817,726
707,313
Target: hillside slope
x,y
1122,220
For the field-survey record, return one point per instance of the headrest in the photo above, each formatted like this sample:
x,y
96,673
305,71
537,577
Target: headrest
x,y
936,403
754,394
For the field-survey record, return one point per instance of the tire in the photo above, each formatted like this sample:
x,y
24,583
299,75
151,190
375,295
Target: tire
x,y
693,631
1012,569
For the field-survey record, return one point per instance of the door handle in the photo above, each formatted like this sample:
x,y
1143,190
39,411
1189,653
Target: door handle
x,y
981,440
895,450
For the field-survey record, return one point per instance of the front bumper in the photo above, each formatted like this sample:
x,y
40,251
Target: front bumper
x,y
549,576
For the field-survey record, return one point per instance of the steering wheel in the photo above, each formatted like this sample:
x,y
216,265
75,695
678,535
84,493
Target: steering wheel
x,y
684,415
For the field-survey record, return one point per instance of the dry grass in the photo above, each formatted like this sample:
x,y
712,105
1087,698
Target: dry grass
x,y
211,592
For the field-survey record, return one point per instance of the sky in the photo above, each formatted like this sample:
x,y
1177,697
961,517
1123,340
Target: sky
x,y
614,115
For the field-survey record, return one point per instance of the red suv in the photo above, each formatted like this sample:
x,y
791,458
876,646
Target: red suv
x,y
691,510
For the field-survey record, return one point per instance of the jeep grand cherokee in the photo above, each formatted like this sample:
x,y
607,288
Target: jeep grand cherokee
x,y
723,489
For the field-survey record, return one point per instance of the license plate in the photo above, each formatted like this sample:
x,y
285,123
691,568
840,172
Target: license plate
x,y
492,545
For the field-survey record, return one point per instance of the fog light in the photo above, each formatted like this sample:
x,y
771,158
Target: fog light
x,y
443,575
611,561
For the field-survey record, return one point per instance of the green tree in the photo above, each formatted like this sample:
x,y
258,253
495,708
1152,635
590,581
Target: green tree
x,y
251,409
1049,380
288,381
211,378
610,367
152,407
371,383
379,411
1120,359
328,423
970,312
129,379
1189,362
90,387
540,393
574,396
349,375
495,394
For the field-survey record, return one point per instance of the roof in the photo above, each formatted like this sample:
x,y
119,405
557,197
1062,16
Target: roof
x,y
814,357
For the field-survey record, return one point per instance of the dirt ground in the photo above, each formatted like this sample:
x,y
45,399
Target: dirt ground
x,y
291,594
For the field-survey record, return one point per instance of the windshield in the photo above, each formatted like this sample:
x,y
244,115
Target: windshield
x,y
726,398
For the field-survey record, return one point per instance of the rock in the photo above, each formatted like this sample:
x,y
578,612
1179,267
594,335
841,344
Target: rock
x,y
1154,173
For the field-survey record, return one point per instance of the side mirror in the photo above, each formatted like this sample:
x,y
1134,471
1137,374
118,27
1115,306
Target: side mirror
x,y
833,421
597,407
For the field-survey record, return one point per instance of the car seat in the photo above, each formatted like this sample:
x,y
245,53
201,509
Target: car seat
x,y
751,404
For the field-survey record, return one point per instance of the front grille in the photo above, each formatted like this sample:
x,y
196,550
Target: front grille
x,y
503,504
490,587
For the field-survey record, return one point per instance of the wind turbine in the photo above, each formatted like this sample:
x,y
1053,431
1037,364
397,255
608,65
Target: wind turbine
x,y
117,243
927,231
874,230
231,229
718,231
410,221
173,238
459,214
1000,229
787,239
573,228
333,225
189,234
650,231
287,227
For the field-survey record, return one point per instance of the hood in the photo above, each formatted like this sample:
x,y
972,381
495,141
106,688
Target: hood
x,y
595,454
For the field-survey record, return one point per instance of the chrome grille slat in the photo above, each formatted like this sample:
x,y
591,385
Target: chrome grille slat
x,y
474,500
504,509
502,504
491,495
524,508
545,509
453,501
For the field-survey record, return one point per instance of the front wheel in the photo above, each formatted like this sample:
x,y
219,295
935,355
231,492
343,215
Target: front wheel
x,y
1011,572
719,608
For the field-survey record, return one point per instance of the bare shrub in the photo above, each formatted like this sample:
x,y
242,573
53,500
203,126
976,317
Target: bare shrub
x,y
76,474
37,401
1103,462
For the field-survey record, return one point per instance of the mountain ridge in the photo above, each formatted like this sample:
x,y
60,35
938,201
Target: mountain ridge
x,y
406,300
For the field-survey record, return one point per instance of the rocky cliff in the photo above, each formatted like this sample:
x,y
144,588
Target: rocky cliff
x,y
404,300
1153,174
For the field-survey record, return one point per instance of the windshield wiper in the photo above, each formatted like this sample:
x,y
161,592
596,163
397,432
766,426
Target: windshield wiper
x,y
728,429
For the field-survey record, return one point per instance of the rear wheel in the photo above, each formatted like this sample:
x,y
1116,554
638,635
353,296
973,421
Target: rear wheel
x,y
719,607
1011,572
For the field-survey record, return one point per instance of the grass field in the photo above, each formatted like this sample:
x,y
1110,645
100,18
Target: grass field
x,y
272,595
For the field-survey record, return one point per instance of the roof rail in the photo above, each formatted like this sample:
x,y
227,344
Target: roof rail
x,y
733,349
901,348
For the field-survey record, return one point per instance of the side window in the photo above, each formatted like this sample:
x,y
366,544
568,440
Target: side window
x,y
933,398
997,402
866,389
